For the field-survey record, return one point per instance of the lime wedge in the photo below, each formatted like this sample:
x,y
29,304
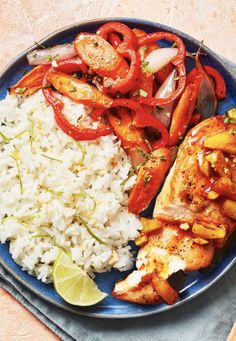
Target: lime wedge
x,y
72,284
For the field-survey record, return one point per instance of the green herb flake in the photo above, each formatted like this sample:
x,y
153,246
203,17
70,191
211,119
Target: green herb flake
x,y
146,67
144,64
143,93
48,58
164,68
146,179
95,43
226,120
143,154
81,220
51,158
20,90
162,158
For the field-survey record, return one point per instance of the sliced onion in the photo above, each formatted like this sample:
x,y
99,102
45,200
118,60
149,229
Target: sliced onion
x,y
157,59
46,56
168,86
206,100
189,54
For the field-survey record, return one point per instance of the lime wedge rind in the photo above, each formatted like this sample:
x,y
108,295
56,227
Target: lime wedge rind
x,y
73,284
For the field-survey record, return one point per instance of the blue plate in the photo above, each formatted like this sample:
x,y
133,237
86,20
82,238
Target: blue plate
x,y
195,282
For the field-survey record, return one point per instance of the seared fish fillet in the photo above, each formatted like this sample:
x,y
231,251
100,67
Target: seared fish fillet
x,y
182,199
167,251
174,246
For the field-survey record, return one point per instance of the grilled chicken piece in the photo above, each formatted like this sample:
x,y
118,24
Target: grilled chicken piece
x,y
181,203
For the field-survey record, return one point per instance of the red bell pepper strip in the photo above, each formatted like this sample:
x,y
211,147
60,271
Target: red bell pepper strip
x,y
74,65
114,39
182,114
178,62
129,38
220,86
78,90
149,180
77,133
143,86
31,82
162,74
145,83
71,65
143,119
100,56
127,49
123,85
132,138
139,33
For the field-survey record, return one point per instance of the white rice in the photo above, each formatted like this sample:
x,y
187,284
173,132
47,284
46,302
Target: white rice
x,y
44,217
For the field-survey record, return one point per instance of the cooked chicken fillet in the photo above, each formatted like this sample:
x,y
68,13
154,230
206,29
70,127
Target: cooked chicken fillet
x,y
171,247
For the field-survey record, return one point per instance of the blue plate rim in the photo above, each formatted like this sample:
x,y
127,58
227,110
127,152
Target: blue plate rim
x,y
102,21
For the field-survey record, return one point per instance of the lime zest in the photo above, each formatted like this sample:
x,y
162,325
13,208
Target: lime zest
x,y
8,139
23,219
15,157
130,174
83,151
56,193
82,221
31,136
84,195
51,158
53,240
